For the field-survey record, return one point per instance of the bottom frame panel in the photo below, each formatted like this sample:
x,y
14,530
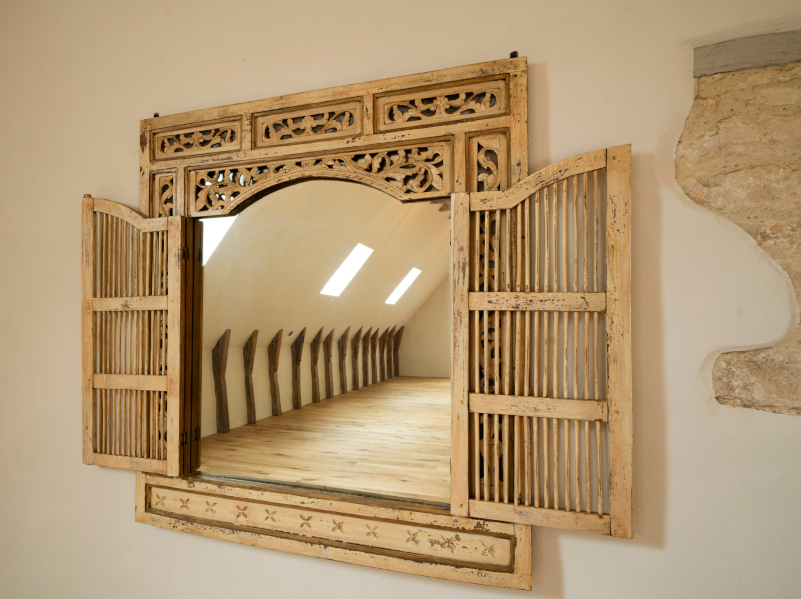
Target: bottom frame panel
x,y
416,542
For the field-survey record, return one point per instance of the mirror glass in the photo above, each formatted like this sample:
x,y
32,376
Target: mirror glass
x,y
339,279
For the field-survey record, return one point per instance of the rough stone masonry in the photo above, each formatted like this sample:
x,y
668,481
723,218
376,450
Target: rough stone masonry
x,y
740,156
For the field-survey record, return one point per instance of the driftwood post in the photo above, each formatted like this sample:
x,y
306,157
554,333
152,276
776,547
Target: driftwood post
x,y
249,353
382,346
273,353
390,353
373,360
395,354
297,354
342,345
219,361
366,358
355,343
329,367
314,354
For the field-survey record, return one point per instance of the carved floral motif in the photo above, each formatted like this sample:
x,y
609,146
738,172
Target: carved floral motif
x,y
488,163
342,120
163,195
203,139
413,170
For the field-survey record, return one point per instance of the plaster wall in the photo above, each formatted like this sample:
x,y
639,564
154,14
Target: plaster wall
x,y
716,488
426,346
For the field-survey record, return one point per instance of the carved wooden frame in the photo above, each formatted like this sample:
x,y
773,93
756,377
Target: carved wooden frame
x,y
417,138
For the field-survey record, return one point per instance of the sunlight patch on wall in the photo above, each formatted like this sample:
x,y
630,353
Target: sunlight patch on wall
x,y
214,229
337,283
404,285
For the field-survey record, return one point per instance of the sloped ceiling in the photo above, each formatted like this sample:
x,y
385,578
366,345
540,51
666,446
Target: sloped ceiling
x,y
269,269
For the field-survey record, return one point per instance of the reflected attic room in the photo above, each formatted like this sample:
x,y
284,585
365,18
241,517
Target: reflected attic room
x,y
327,343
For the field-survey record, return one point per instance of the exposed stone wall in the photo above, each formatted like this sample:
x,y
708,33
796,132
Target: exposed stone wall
x,y
740,156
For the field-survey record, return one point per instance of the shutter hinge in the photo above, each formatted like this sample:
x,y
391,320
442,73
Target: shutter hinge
x,y
183,438
200,255
186,252
197,434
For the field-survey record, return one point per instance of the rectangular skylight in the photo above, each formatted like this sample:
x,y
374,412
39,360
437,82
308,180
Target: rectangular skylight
x,y
214,229
404,285
347,270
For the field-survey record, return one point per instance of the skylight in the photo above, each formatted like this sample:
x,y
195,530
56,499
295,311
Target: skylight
x,y
214,229
404,285
347,270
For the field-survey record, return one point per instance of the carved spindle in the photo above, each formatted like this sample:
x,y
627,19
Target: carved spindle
x,y
355,344
391,353
249,353
342,346
373,360
366,358
297,354
314,354
382,346
395,354
273,353
329,367
219,361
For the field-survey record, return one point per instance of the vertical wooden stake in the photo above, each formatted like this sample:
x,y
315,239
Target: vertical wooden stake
x,y
354,357
342,346
382,345
329,368
373,361
273,353
249,352
219,360
366,358
391,353
395,354
297,354
314,352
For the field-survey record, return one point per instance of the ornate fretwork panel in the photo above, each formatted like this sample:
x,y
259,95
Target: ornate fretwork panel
x,y
311,124
163,195
456,103
419,171
206,138
488,164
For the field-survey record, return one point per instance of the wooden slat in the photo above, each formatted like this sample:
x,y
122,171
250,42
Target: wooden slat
x,y
533,301
132,216
618,331
460,460
126,304
535,516
547,176
543,407
155,466
89,247
142,382
174,346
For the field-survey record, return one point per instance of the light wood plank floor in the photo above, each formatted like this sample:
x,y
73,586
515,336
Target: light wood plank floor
x,y
389,439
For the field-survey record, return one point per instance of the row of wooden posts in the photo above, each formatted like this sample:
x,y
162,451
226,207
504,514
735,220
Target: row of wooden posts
x,y
383,364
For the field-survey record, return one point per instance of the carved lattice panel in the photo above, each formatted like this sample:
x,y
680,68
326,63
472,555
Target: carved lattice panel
x,y
206,138
488,163
455,103
163,195
311,124
418,171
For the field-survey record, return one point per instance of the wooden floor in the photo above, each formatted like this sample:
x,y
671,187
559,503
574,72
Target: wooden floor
x,y
389,439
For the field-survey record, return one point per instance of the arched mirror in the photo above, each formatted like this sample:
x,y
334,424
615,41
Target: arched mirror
x,y
327,343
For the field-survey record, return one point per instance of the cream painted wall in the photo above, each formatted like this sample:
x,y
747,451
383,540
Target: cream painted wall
x,y
717,488
269,269
426,345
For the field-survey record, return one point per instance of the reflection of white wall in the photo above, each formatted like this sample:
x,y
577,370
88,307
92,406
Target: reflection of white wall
x,y
426,345
269,269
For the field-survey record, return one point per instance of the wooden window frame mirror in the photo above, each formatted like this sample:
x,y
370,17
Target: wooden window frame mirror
x,y
458,136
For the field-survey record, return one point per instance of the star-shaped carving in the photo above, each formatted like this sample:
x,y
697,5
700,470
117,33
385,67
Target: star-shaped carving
x,y
210,507
242,512
372,531
160,501
184,503
270,515
338,526
449,543
413,537
305,521
488,549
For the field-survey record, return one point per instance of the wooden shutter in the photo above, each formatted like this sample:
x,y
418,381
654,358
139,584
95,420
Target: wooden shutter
x,y
131,336
542,425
